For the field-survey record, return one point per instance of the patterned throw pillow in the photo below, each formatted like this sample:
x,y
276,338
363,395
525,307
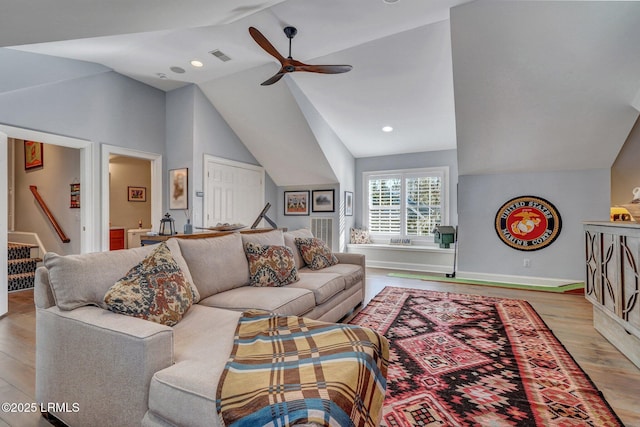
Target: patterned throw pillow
x,y
270,265
360,236
315,253
155,290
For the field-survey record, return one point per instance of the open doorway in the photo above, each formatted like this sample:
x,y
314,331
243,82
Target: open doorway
x,y
89,231
55,180
129,200
151,193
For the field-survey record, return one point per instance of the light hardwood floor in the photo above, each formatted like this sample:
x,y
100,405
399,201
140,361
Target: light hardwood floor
x,y
568,316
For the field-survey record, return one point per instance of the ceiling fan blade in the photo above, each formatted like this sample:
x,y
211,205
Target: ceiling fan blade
x,y
325,69
265,44
273,79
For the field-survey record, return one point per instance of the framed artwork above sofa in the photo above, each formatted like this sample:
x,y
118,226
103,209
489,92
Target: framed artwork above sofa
x,y
296,202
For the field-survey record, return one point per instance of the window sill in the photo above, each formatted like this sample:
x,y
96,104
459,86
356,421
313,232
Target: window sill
x,y
426,257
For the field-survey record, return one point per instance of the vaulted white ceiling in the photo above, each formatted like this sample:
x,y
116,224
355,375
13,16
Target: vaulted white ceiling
x,y
514,85
544,86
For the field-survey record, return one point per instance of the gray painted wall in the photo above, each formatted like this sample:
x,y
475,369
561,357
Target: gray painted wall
x,y
24,69
179,148
625,173
578,195
82,101
195,128
93,103
104,108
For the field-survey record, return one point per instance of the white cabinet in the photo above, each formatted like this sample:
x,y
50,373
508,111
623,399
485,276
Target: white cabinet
x,y
133,236
612,283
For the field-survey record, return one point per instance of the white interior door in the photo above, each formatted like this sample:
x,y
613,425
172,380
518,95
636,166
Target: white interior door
x,y
234,192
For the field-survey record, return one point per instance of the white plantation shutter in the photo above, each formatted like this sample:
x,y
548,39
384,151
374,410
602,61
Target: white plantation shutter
x,y
384,204
405,204
423,211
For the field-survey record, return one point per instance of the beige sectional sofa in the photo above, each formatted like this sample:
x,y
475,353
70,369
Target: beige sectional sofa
x,y
113,369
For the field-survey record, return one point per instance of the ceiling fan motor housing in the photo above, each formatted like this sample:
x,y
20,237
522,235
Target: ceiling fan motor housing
x,y
290,32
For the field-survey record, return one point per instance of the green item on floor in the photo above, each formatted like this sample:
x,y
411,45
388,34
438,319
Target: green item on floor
x,y
565,288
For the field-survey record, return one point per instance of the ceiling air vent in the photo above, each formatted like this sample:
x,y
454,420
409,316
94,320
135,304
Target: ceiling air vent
x,y
220,55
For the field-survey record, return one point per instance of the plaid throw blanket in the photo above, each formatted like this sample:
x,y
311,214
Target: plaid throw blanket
x,y
287,370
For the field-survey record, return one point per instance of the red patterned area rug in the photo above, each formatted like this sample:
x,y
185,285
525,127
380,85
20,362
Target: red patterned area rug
x,y
466,360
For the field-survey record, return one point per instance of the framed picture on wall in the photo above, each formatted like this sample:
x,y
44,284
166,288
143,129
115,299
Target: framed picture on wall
x,y
348,203
137,194
75,196
323,201
296,203
33,155
179,188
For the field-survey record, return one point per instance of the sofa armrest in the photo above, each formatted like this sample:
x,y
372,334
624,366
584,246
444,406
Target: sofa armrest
x,y
350,258
99,360
42,293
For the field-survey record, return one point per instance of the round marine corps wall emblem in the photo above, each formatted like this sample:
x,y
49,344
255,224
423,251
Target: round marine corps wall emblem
x,y
528,223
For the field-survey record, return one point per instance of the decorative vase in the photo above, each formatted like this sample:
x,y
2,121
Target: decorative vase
x,y
188,228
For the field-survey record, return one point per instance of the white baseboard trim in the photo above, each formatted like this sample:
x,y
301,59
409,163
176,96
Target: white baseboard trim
x,y
521,280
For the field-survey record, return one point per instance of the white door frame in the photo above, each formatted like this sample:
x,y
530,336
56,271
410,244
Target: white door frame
x,y
156,185
89,188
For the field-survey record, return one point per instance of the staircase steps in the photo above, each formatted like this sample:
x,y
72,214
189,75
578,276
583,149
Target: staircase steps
x,y
22,266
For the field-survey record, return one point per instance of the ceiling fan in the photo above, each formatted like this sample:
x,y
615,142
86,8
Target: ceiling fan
x,y
289,65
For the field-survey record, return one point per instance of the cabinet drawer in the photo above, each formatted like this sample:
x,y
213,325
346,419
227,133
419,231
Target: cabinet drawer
x,y
116,239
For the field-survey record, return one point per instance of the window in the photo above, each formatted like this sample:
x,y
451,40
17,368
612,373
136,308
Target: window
x,y
407,203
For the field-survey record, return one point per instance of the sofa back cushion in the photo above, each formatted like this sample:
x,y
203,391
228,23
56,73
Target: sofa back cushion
x,y
290,241
270,238
216,264
79,280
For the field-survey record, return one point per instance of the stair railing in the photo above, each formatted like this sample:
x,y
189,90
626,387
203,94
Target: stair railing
x,y
48,214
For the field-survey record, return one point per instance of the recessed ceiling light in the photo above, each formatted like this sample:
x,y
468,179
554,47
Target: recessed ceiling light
x,y
387,129
161,75
390,1
178,70
197,63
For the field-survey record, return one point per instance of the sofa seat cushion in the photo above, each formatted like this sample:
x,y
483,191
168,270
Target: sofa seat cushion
x,y
323,286
282,300
203,333
352,273
185,393
216,264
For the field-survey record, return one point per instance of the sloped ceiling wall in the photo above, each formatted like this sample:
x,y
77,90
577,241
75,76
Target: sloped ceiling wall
x,y
288,151
21,70
543,86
